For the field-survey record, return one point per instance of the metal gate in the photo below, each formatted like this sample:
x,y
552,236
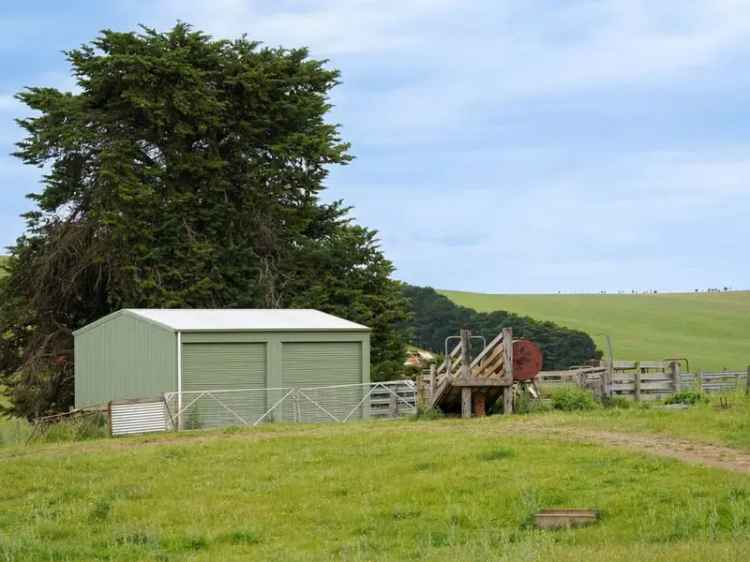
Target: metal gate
x,y
339,403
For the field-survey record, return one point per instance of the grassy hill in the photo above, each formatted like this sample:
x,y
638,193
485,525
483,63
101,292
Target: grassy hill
x,y
711,329
449,490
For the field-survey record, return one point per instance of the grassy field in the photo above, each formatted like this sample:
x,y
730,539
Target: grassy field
x,y
711,329
703,423
439,490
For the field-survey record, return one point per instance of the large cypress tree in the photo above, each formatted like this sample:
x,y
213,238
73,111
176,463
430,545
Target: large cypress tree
x,y
185,173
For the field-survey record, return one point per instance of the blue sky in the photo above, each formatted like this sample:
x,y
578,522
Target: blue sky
x,y
533,146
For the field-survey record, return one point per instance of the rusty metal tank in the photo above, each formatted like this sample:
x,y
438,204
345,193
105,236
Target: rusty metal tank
x,y
527,360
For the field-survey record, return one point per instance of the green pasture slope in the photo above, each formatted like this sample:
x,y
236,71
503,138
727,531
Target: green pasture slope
x,y
711,329
442,490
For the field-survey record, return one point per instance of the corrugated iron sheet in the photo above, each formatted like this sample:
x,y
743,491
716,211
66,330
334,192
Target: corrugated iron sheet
x,y
138,416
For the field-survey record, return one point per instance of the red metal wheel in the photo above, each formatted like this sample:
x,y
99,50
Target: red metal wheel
x,y
527,360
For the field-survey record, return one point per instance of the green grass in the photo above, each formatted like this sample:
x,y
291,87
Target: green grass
x,y
439,490
711,329
703,423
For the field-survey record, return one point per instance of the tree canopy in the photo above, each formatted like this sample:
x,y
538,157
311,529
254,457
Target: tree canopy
x,y
435,317
186,172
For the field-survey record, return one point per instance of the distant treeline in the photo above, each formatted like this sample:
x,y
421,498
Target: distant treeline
x,y
435,317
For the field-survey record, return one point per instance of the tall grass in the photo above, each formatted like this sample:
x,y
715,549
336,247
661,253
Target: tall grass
x,y
16,431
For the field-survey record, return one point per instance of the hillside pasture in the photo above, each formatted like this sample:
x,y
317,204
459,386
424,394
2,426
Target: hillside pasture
x,y
439,490
711,329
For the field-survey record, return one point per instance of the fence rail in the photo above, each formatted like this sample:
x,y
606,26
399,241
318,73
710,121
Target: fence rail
x,y
251,407
723,381
645,380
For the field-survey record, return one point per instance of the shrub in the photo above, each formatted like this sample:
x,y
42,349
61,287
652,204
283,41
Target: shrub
x,y
571,399
616,402
524,404
689,397
427,413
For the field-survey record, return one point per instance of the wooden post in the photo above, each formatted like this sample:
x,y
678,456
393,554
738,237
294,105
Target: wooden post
x,y
432,382
466,392
747,383
637,381
508,354
466,402
676,376
465,357
479,404
610,368
508,359
393,405
109,416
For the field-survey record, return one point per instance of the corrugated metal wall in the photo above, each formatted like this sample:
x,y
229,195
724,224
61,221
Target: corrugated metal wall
x,y
123,358
321,363
224,366
134,417
309,364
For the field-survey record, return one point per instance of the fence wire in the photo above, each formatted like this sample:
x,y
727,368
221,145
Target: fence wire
x,y
250,407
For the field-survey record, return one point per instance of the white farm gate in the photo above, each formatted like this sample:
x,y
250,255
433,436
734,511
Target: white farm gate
x,y
251,407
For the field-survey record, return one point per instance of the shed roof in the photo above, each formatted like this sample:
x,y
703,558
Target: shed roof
x,y
241,319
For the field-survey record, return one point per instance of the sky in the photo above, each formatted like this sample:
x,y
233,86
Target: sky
x,y
501,146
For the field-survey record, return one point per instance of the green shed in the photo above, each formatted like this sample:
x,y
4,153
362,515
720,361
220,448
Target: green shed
x,y
143,353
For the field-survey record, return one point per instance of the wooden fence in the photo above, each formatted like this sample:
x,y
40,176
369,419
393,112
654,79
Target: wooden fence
x,y
722,381
645,380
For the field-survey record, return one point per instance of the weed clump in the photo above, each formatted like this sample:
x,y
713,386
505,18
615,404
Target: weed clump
x,y
101,510
425,414
688,397
617,402
242,537
497,454
572,399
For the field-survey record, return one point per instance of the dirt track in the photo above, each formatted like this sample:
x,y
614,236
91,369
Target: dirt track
x,y
680,449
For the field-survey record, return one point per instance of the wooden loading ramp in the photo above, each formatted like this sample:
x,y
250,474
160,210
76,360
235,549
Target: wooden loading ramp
x,y
468,386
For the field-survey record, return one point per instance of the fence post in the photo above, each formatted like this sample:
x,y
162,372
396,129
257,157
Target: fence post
x,y
109,416
747,382
393,405
465,373
508,367
637,381
676,376
432,382
466,402
479,404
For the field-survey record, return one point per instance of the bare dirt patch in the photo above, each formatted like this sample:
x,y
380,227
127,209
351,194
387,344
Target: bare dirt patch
x,y
687,451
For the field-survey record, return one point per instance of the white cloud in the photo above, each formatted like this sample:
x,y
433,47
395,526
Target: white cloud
x,y
330,28
484,54
634,223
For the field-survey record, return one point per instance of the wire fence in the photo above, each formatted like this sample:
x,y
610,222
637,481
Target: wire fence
x,y
251,407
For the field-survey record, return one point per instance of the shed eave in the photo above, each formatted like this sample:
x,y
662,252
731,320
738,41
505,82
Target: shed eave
x,y
117,314
99,322
363,330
